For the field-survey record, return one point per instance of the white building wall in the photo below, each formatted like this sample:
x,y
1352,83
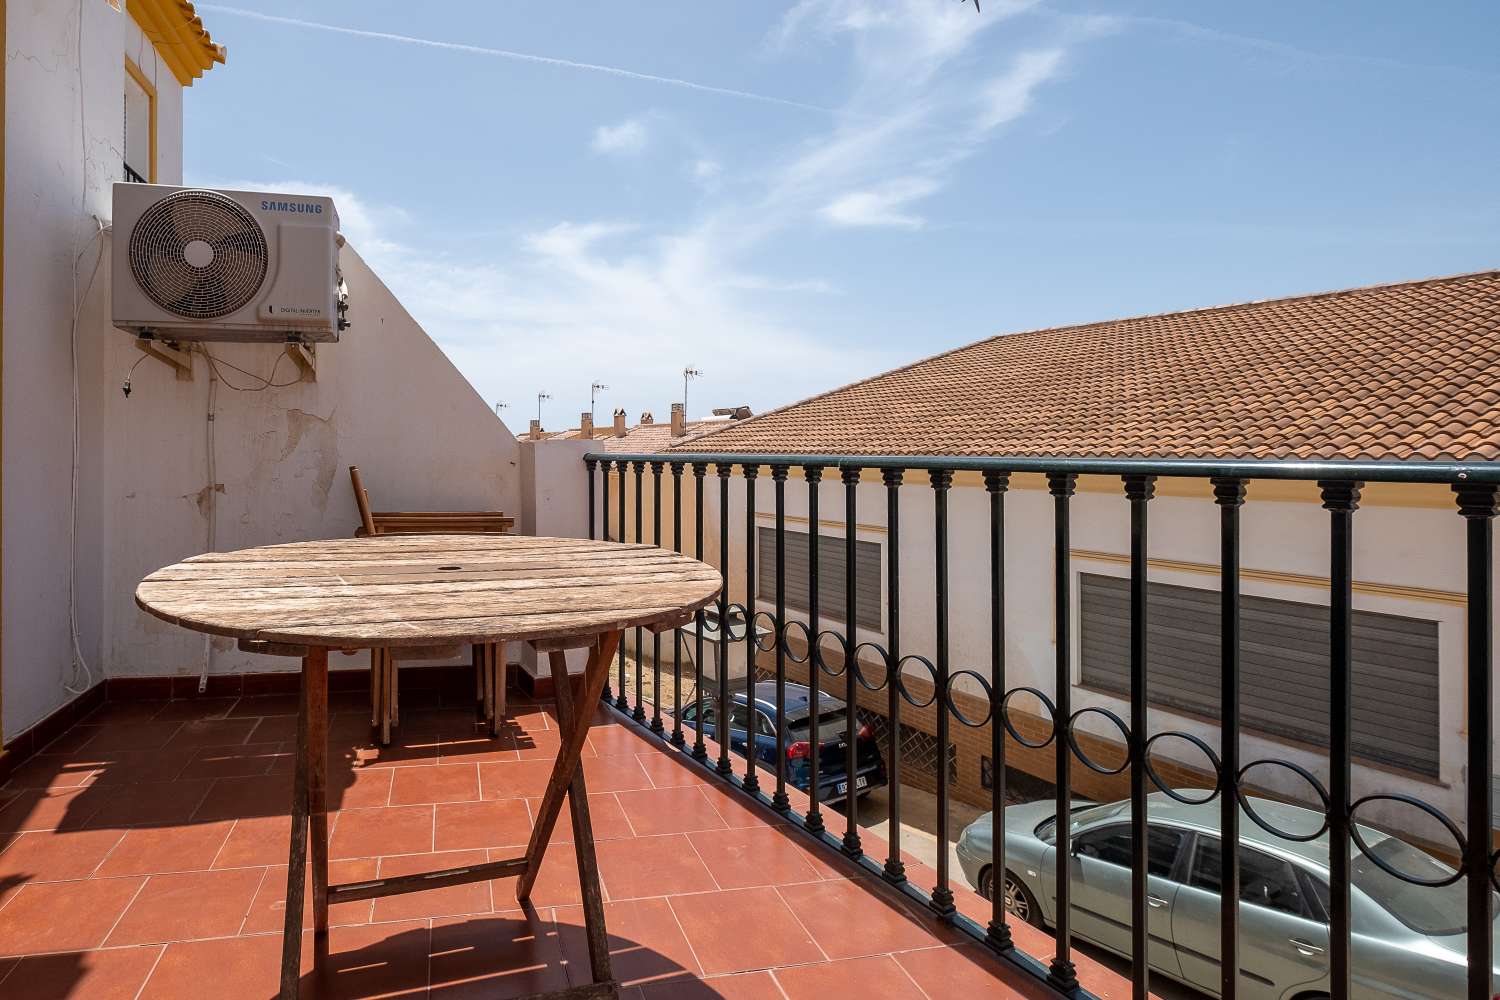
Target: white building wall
x,y
386,398
1400,546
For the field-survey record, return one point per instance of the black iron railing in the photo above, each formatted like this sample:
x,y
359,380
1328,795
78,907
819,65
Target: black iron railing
x,y
133,176
807,643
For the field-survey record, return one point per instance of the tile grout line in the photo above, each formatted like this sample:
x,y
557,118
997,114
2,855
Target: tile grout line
x,y
795,916
114,926
159,956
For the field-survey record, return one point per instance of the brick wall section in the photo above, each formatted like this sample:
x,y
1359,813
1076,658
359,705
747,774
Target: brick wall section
x,y
974,743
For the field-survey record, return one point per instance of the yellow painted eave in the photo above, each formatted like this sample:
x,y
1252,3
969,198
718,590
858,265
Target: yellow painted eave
x,y
177,33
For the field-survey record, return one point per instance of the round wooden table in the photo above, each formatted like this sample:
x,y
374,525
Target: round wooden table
x,y
424,590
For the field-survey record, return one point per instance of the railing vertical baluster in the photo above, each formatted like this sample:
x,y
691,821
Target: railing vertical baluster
x,y
622,702
814,822
1229,494
700,752
998,931
752,734
1341,499
942,895
1476,504
606,695
677,740
779,800
722,731
850,476
1061,973
589,464
895,868
656,726
1138,491
639,712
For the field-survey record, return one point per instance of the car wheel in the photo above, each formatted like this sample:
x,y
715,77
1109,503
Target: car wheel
x,y
1019,902
986,887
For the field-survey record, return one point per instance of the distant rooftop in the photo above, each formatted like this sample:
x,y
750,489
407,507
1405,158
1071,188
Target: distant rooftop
x,y
1393,372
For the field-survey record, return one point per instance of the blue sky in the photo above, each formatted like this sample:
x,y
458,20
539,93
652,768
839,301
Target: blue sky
x,y
793,196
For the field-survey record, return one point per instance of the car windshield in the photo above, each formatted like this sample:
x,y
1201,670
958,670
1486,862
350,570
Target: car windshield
x,y
830,725
1432,911
1047,831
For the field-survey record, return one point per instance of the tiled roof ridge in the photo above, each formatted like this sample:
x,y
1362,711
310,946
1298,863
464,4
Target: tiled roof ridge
x,y
1098,325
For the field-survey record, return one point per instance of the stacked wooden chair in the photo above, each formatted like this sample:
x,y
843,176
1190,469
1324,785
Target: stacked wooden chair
x,y
488,657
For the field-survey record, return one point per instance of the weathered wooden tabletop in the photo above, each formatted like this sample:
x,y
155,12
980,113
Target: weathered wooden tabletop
x,y
410,590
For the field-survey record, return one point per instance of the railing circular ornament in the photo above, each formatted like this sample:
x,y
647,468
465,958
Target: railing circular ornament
x,y
859,674
1459,843
822,661
1262,822
1015,733
772,638
900,679
807,644
1085,759
1215,765
989,698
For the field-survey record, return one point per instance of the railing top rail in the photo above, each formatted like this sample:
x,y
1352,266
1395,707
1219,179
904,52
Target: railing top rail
x,y
1293,469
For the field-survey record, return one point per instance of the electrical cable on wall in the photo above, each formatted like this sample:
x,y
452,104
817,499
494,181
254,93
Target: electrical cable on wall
x,y
212,502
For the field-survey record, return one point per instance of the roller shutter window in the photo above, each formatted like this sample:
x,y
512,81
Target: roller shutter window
x,y
831,550
1284,666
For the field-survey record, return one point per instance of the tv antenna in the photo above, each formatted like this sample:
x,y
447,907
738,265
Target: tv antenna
x,y
539,398
688,374
594,391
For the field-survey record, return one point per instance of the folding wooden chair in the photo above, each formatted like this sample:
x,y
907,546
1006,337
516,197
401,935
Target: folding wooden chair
x,y
488,657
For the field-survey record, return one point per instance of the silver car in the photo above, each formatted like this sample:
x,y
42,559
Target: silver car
x,y
1409,941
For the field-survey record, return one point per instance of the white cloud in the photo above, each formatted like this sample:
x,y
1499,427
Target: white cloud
x,y
1008,96
880,206
706,171
627,138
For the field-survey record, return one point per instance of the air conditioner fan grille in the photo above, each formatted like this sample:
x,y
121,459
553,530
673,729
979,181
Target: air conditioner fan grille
x,y
198,254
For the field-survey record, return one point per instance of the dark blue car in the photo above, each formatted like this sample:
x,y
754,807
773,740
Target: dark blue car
x,y
833,732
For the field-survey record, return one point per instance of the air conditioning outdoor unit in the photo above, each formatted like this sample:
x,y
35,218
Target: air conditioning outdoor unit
x,y
195,265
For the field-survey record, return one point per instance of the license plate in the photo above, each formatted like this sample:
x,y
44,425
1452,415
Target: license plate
x,y
842,788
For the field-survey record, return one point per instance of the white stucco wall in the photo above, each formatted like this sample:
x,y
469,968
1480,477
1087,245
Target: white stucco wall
x,y
1401,546
386,398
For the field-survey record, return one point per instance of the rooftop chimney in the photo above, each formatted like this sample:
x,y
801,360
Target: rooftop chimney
x,y
619,423
732,412
679,420
535,433
647,418
586,425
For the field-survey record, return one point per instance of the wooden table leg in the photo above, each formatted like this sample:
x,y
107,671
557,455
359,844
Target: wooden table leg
x,y
571,717
296,865
315,678
567,762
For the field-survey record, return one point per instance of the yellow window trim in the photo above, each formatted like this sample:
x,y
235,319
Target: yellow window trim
x,y
177,32
140,78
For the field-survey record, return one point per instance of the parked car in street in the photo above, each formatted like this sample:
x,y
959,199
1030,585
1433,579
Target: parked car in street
x,y
1409,941
796,724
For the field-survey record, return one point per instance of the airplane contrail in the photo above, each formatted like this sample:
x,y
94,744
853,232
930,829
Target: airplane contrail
x,y
481,50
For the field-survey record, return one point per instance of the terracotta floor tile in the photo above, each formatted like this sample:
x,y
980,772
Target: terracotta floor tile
x,y
406,750
149,802
123,711
515,779
244,761
877,978
614,774
885,925
480,748
447,901
618,741
738,812
151,850
645,942
370,833
53,770
132,735
438,783
760,855
265,704
244,798
667,771
263,840
670,810
746,986
556,881
49,809
268,909
744,929
651,866
53,856
187,905
194,709
275,729
966,970
246,968
369,960
212,733
63,916
511,954
496,823
124,767
360,788
112,974
605,815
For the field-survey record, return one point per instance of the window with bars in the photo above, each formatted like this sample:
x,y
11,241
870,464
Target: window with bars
x,y
832,550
